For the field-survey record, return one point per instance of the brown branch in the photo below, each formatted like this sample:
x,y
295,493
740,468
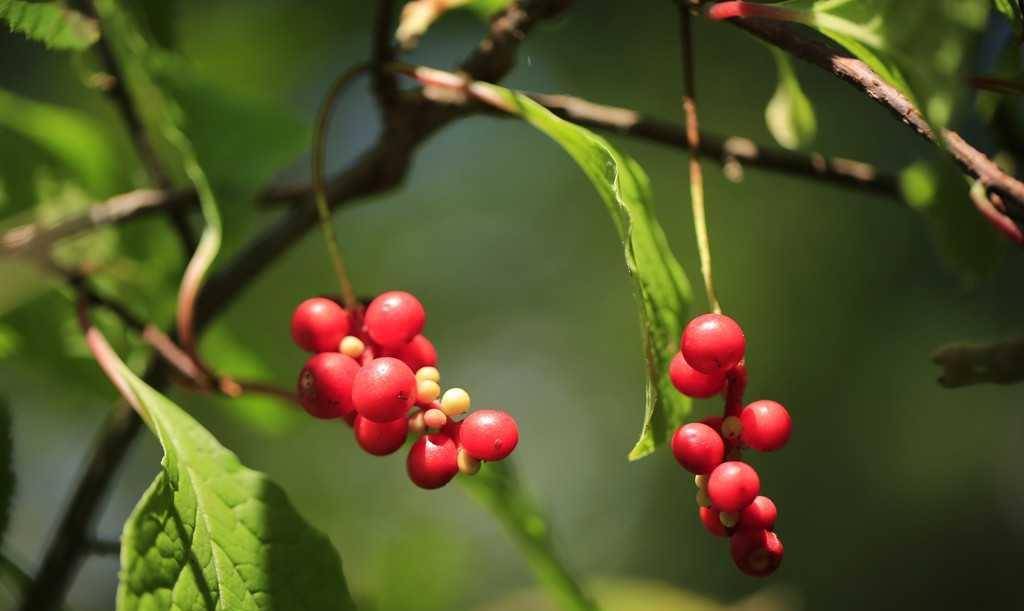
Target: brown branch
x,y
385,84
965,364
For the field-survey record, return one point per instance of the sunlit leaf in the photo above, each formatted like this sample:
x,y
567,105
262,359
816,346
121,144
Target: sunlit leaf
x,y
51,23
789,114
418,15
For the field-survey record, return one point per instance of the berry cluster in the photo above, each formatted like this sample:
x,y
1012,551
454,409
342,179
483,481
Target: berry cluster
x,y
709,362
362,371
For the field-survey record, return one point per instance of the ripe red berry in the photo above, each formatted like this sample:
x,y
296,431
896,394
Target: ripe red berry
x,y
709,518
433,461
380,438
766,425
452,428
733,485
318,325
489,434
756,552
712,343
394,318
760,514
418,353
325,386
698,448
691,382
384,389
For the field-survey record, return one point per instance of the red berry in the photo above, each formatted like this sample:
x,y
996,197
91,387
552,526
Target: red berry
x,y
698,448
325,386
712,343
693,383
452,429
318,325
733,485
380,438
489,434
756,552
433,461
759,514
709,518
384,390
766,425
394,318
418,353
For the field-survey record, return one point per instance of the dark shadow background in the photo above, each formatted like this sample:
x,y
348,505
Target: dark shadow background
x,y
893,492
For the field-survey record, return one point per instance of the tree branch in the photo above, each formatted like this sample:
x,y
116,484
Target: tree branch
x,y
385,85
965,364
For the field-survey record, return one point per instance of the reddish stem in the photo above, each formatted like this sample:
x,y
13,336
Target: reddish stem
x,y
739,9
735,386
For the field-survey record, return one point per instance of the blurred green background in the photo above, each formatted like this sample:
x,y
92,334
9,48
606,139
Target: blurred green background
x,y
893,492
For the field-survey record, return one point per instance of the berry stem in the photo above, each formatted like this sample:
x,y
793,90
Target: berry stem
x,y
735,386
739,9
700,226
348,295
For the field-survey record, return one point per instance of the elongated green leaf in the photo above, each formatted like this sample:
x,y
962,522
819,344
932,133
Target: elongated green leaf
x,y
210,533
662,290
6,468
51,23
1014,11
789,114
497,488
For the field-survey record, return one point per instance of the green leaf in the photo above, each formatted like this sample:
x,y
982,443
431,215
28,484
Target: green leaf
x,y
50,23
965,242
789,114
7,481
1014,11
662,290
923,57
497,488
210,533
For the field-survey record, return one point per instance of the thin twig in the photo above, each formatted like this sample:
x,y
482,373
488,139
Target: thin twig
x,y
385,85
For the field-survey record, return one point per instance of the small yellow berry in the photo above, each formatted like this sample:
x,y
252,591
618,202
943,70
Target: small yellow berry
x,y
700,481
428,373
455,401
467,464
427,391
434,419
351,346
732,428
728,518
702,498
416,424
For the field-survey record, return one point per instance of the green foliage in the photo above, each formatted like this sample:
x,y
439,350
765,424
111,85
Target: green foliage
x,y
497,488
661,286
7,479
210,533
789,114
51,23
1014,11
919,46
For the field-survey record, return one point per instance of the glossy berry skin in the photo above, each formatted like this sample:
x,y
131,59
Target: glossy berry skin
x,y
691,382
433,461
733,485
394,318
318,325
325,386
713,343
698,448
453,430
759,514
756,552
380,438
709,518
418,353
384,389
766,425
489,434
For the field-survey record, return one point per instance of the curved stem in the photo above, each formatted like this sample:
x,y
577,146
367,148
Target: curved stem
x,y
348,294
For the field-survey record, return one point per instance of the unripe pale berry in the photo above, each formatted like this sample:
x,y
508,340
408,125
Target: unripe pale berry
x,y
384,389
732,429
766,425
427,391
728,518
489,434
351,346
467,464
416,424
380,438
756,552
455,401
733,485
432,461
702,498
418,353
709,518
691,382
713,343
700,481
759,514
325,386
698,448
428,373
394,318
434,419
318,324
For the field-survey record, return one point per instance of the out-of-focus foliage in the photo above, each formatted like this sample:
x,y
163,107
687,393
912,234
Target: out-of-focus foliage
x,y
7,477
789,114
51,23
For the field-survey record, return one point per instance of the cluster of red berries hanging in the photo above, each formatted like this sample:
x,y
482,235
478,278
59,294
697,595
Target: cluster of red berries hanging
x,y
709,362
374,369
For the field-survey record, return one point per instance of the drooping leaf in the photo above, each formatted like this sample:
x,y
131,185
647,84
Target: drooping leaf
x,y
1014,11
789,114
51,23
918,46
7,481
418,15
662,290
210,533
497,488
